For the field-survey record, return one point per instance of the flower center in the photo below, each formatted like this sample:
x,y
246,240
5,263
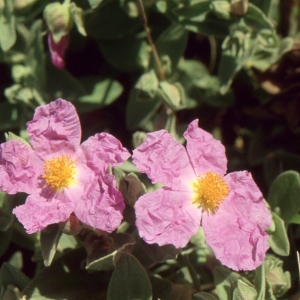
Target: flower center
x,y
210,191
59,172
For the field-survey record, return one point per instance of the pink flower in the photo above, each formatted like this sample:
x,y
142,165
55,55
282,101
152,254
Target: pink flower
x,y
60,175
231,207
57,50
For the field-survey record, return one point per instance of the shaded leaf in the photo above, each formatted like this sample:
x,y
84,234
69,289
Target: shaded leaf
x,y
109,261
204,296
5,239
10,275
65,279
257,19
171,43
161,288
49,240
99,24
138,112
9,116
133,57
129,280
100,92
284,193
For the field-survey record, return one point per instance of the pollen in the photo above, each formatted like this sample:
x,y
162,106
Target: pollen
x,y
210,191
59,172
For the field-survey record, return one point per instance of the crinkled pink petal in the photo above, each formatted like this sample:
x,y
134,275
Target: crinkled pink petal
x,y
102,205
37,212
167,217
55,127
20,168
236,231
164,160
205,152
244,187
57,50
103,149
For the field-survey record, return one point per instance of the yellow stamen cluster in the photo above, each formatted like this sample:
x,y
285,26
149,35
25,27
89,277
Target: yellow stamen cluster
x,y
59,172
210,191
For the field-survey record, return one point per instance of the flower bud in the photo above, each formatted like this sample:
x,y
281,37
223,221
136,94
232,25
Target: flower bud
x,y
221,9
58,19
278,280
72,226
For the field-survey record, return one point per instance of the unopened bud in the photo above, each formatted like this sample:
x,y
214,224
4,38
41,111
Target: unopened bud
x,y
221,9
58,19
72,226
278,280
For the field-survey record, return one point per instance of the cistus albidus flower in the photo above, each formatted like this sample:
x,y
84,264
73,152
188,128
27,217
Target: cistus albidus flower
x,y
230,208
61,175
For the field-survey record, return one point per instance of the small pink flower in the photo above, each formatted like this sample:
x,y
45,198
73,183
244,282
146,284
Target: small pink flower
x,y
57,50
60,175
234,216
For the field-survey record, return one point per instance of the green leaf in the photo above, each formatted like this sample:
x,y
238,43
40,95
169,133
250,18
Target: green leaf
x,y
100,92
196,12
77,16
147,85
138,111
16,260
211,25
264,6
5,239
11,136
129,280
9,116
225,281
228,67
60,83
109,262
134,56
49,240
171,43
284,193
257,19
244,291
99,25
172,95
35,56
204,296
295,220
9,275
66,279
161,288
95,3
260,282
278,240
7,25
6,218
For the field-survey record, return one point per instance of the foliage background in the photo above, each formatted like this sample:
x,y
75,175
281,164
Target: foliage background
x,y
232,64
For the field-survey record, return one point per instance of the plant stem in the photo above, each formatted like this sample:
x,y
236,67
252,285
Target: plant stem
x,y
158,63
